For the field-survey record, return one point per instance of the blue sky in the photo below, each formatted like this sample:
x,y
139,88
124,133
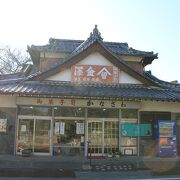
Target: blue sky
x,y
149,25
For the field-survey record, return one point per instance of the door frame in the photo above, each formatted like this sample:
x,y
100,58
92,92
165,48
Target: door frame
x,y
36,118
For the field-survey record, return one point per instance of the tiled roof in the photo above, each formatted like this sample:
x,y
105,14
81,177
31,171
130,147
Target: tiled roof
x,y
94,41
66,45
119,91
164,84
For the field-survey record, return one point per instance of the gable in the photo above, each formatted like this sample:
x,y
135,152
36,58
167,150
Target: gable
x,y
98,61
82,53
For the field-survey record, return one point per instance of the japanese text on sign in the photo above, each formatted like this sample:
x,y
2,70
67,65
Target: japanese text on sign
x,y
92,73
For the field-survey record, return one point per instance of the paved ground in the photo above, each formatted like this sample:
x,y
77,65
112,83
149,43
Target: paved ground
x,y
79,167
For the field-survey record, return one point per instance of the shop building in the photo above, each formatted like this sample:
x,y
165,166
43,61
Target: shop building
x,y
87,96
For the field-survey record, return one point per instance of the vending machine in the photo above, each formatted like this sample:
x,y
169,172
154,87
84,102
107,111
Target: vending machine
x,y
165,137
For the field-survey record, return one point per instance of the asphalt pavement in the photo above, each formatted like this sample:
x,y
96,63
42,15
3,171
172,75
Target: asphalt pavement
x,y
72,167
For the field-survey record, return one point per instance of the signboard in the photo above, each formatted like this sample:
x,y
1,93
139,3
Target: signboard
x,y
77,103
3,125
136,130
94,73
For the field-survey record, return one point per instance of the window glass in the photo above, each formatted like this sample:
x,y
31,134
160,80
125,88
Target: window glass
x,y
129,113
69,133
42,111
150,116
103,113
26,110
69,112
35,110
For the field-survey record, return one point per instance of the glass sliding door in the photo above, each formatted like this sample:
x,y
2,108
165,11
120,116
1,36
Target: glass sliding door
x,y
103,137
111,137
34,134
95,138
25,134
42,136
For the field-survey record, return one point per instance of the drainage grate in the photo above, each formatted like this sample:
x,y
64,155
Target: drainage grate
x,y
110,167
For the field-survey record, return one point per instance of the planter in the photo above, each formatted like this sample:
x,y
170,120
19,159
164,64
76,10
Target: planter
x,y
26,152
110,155
117,155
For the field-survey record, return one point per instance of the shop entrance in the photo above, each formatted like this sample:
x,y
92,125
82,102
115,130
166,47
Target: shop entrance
x,y
34,134
103,137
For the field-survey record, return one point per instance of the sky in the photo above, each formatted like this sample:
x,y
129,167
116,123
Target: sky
x,y
148,25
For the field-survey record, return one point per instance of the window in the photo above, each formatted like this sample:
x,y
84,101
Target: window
x,y
35,111
129,113
69,112
103,113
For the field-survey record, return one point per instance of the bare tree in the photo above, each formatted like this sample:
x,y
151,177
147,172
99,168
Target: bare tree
x,y
12,60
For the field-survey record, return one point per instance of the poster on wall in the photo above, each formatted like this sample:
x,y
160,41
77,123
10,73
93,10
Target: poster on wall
x,y
3,125
23,128
79,128
57,129
62,128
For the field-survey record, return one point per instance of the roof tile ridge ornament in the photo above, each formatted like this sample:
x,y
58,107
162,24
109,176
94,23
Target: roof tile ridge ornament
x,y
96,35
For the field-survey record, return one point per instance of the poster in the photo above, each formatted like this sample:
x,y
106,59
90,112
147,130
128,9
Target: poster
x,y
57,129
62,128
79,128
23,128
3,125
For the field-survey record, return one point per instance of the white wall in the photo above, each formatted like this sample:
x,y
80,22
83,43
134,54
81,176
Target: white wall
x,y
7,101
61,76
126,78
160,106
94,59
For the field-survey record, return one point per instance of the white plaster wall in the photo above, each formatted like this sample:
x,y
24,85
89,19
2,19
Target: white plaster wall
x,y
160,106
7,101
94,59
61,76
126,78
